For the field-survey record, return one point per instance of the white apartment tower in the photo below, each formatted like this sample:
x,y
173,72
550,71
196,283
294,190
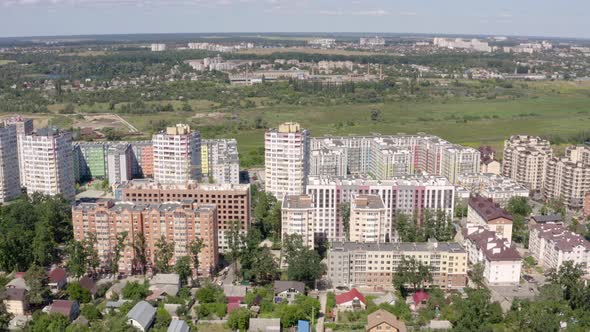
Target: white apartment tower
x,y
9,171
569,178
525,160
177,155
286,160
48,162
24,127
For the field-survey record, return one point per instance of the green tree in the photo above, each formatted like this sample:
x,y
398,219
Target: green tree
x,y
411,272
519,205
163,255
568,276
76,258
163,319
92,258
345,211
5,317
91,312
194,250
36,279
210,293
477,272
475,312
140,252
264,268
118,251
239,319
78,293
44,247
304,264
183,269
136,291
48,323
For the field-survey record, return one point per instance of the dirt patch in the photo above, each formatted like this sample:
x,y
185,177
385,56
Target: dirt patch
x,y
211,115
100,121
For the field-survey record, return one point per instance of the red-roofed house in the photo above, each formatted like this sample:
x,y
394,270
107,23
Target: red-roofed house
x,y
351,300
70,309
420,297
57,280
235,299
232,306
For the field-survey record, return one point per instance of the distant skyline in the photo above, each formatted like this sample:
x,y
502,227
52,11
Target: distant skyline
x,y
550,18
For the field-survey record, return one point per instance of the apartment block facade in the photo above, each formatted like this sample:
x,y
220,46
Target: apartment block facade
x,y
484,212
90,157
119,163
525,160
368,222
177,155
408,195
384,157
496,187
569,178
286,151
553,244
232,200
24,126
220,160
374,265
298,217
9,163
501,261
175,222
49,163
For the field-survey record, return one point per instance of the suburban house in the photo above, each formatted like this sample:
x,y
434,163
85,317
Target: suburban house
x,y
287,290
70,309
163,284
15,300
418,299
384,321
265,325
142,316
57,280
484,212
177,325
88,284
351,300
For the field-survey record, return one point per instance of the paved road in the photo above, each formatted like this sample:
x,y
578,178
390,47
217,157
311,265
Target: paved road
x,y
319,327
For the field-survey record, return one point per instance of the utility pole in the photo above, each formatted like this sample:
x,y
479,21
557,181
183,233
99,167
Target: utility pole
x,y
312,316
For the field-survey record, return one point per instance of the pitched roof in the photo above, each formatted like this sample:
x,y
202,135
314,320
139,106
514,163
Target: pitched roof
x,y
487,209
281,286
88,284
547,218
349,296
57,275
143,313
165,278
234,299
560,237
177,325
63,307
15,294
264,325
493,247
382,316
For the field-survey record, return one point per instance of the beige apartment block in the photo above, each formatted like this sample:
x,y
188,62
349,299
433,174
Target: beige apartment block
x,y
368,222
525,160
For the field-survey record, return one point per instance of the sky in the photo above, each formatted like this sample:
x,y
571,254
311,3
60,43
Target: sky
x,y
554,18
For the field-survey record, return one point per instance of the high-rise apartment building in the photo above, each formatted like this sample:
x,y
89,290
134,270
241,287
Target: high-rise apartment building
x,y
9,163
525,160
232,200
384,157
24,126
297,215
90,157
175,222
286,160
374,265
553,244
177,155
49,163
569,178
220,160
119,163
410,195
368,222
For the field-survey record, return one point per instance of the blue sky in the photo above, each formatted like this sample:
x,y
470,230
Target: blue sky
x,y
565,18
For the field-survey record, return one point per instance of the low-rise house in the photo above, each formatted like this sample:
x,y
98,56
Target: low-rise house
x,y
70,309
501,261
57,280
388,298
384,321
177,325
264,325
114,306
165,284
234,293
419,299
88,284
287,290
142,316
484,212
439,325
17,282
351,300
15,300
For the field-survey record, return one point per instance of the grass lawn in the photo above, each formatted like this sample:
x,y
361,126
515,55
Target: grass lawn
x,y
5,62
